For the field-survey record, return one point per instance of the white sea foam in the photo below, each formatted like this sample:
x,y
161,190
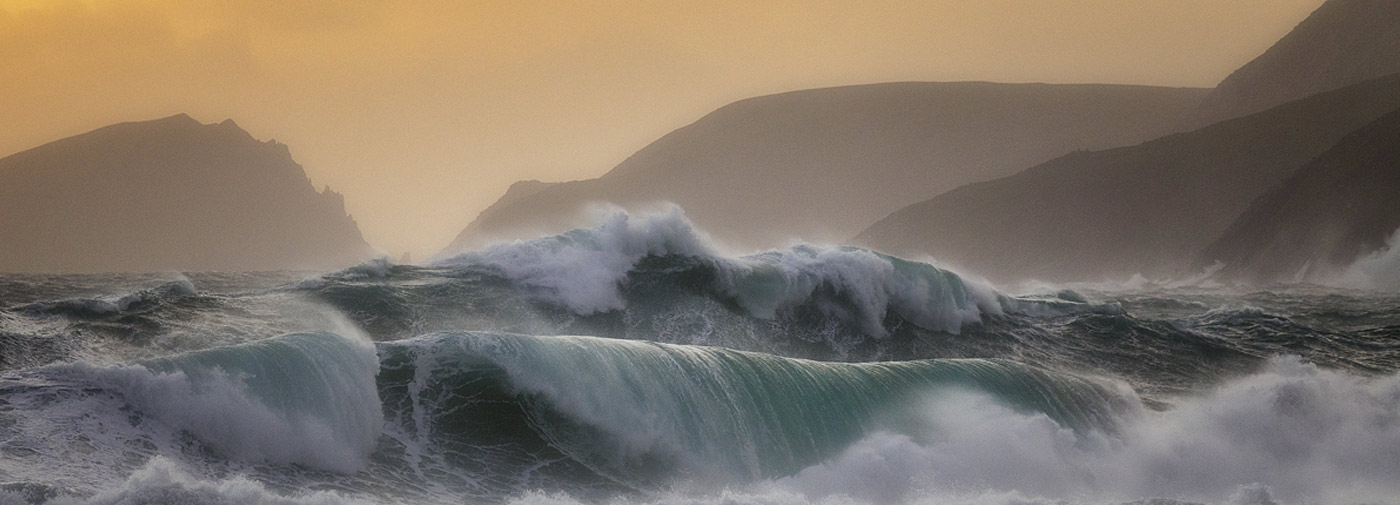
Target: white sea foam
x,y
1300,433
162,482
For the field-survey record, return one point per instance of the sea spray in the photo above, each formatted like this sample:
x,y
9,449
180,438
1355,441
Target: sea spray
x,y
309,399
1378,270
581,269
1291,434
485,416
1293,431
590,271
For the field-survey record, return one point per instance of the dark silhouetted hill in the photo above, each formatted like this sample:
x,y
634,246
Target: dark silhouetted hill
x,y
1146,209
1341,206
823,164
1344,42
168,194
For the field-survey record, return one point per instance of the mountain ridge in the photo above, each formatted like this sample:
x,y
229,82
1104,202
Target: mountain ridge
x,y
823,163
1343,42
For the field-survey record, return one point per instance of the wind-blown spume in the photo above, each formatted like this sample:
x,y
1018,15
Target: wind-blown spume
x,y
309,399
580,269
638,412
587,271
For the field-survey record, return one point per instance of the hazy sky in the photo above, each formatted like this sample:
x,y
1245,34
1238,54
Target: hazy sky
x,y
423,112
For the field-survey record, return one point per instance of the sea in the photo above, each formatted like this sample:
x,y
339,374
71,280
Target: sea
x,y
636,362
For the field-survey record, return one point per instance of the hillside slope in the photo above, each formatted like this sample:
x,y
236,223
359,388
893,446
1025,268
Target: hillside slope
x,y
1339,207
1144,209
823,164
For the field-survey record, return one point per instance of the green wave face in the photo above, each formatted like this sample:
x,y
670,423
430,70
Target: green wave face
x,y
639,412
307,398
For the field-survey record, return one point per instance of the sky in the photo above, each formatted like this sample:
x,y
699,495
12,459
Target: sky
x,y
423,112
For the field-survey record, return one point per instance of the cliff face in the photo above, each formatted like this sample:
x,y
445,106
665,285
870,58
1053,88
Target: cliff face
x,y
168,194
1146,209
1341,206
823,164
1344,42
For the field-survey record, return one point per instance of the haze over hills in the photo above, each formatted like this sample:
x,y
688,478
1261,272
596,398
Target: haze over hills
x,y
1337,208
1143,209
168,194
822,164
1343,42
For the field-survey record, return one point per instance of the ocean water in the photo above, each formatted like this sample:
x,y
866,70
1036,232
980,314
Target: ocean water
x,y
636,363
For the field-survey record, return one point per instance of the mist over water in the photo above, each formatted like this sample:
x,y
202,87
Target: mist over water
x,y
1378,270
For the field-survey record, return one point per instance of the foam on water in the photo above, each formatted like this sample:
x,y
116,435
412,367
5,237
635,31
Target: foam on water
x,y
738,427
1290,434
437,414
163,482
1306,434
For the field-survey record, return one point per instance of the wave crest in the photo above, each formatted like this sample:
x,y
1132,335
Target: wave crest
x,y
587,272
635,411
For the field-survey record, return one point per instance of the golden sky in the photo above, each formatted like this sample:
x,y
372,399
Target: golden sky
x,y
423,112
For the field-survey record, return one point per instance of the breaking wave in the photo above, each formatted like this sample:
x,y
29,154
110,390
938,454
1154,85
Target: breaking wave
x,y
595,270
487,415
305,399
935,388
639,412
1290,434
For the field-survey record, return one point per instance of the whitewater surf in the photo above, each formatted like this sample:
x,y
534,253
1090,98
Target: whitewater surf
x,y
635,362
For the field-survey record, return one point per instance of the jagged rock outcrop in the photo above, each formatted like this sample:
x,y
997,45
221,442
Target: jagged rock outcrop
x,y
168,194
